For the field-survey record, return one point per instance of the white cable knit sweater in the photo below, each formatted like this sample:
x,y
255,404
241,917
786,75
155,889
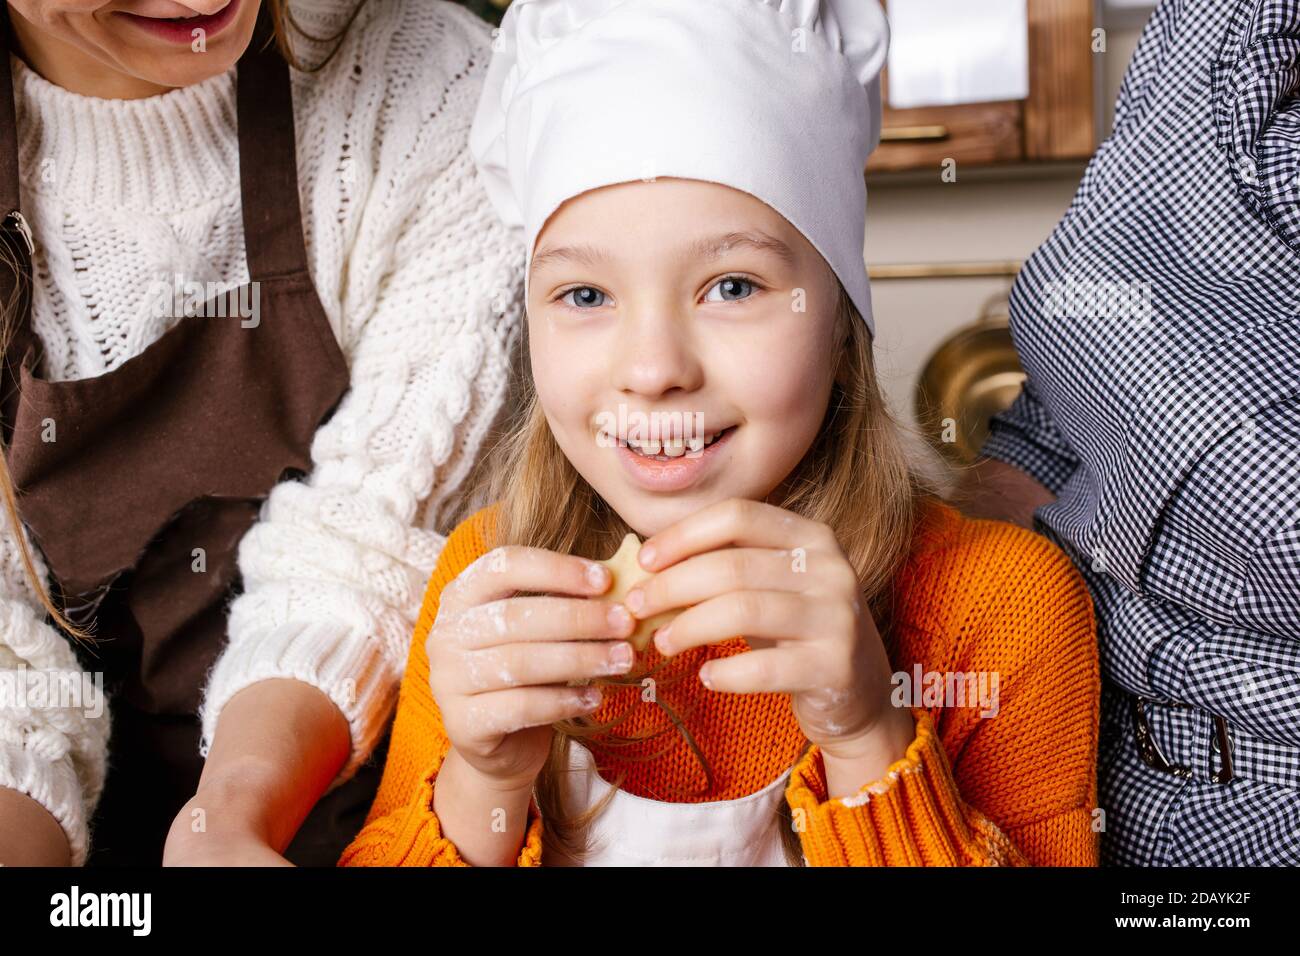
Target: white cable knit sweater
x,y
422,286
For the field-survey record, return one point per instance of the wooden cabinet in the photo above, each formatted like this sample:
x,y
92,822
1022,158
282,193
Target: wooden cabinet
x,y
1056,122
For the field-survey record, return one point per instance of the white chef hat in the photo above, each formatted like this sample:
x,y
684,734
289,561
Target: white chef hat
x,y
777,98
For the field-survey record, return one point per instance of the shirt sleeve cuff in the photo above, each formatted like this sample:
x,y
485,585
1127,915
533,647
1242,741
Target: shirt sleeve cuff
x,y
913,816
1025,436
54,785
350,668
1048,468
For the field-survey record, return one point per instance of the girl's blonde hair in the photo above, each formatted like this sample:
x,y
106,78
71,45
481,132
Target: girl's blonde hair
x,y
857,478
284,25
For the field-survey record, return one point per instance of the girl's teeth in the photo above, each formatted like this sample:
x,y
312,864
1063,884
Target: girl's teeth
x,y
672,447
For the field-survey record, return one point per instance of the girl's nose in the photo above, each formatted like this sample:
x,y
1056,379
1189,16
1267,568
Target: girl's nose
x,y
655,354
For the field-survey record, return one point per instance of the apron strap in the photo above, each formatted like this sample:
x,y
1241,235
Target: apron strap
x,y
8,122
268,160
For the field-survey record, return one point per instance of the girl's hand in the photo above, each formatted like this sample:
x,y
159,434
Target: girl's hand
x,y
499,665
748,568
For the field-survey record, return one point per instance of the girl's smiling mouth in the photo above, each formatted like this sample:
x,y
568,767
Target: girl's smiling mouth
x,y
674,467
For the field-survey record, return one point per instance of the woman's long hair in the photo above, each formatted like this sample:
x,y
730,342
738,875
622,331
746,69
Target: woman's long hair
x,y
285,26
858,478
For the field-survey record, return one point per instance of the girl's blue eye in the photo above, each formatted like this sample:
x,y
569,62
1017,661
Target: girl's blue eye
x,y
730,289
584,297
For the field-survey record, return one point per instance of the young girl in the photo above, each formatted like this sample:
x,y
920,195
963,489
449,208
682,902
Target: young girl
x,y
910,687
255,326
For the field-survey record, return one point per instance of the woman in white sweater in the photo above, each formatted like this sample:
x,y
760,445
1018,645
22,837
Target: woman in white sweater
x,y
153,192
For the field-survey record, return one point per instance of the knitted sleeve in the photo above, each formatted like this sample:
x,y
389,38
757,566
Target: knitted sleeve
x,y
54,721
913,816
422,284
401,828
1009,780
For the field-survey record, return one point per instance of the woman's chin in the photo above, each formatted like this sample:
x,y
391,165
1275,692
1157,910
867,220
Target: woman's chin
x,y
173,70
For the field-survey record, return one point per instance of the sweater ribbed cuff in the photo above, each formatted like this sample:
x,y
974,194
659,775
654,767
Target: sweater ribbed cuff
x,y
349,667
413,835
54,785
913,816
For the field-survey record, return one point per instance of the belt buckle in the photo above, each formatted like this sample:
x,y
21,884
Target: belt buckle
x,y
1221,744
1149,750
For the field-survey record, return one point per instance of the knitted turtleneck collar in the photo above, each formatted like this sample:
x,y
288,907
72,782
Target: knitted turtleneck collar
x,y
156,155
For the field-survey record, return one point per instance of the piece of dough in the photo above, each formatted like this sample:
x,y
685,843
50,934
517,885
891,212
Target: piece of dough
x,y
627,574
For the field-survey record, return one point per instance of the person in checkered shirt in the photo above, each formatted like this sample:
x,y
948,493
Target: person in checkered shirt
x,y
1157,438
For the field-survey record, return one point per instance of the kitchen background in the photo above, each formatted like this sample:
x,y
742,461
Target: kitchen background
x,y
992,109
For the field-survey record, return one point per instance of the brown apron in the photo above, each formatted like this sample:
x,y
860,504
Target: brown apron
x,y
158,468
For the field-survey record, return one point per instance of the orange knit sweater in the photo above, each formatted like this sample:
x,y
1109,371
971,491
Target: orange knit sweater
x,y
1017,788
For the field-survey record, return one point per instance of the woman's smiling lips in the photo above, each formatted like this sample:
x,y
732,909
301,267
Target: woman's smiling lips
x,y
182,30
671,474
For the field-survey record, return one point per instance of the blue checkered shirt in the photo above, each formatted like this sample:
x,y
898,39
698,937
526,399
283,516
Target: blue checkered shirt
x,y
1160,332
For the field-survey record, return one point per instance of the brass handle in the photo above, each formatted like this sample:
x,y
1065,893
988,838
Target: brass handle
x,y
898,134
944,270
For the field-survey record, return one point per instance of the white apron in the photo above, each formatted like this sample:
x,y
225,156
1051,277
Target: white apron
x,y
636,831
